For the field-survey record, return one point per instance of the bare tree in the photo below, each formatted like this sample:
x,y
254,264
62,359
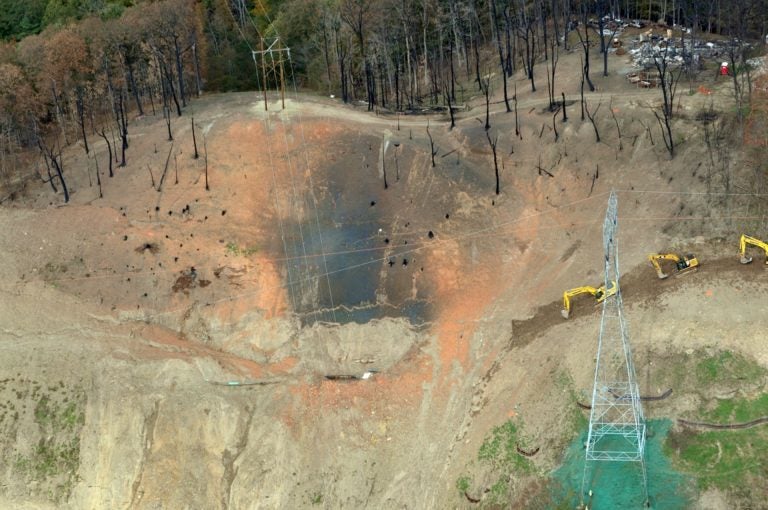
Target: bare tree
x,y
668,80
565,116
494,17
56,162
194,139
616,121
492,144
584,40
109,151
432,150
486,91
591,117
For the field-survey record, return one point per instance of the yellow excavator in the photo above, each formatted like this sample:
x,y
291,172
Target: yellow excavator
x,y
683,263
600,294
745,240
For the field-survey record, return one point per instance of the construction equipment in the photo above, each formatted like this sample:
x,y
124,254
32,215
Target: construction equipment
x,y
745,240
683,263
599,293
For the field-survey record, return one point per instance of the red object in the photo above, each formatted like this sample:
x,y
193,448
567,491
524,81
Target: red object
x,y
724,70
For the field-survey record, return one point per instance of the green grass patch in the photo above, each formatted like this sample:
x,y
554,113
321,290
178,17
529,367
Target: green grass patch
x,y
463,484
234,249
54,418
726,367
500,450
499,456
739,410
724,459
53,459
45,452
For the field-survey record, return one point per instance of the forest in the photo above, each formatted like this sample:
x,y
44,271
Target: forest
x,y
72,70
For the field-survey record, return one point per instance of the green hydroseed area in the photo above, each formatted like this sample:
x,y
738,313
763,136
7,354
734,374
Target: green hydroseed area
x,y
617,485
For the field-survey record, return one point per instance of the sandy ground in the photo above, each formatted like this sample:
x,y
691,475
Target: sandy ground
x,y
210,331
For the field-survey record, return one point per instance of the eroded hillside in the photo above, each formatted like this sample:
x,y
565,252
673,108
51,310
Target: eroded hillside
x,y
339,322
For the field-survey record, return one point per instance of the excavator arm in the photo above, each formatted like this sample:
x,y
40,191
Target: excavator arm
x,y
683,263
600,294
749,240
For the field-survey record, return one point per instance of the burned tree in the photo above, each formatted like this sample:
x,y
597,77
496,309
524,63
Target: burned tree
x,y
584,41
517,118
56,162
668,80
616,121
432,150
485,84
109,151
591,116
194,139
527,32
122,125
551,68
500,47
492,144
565,116
80,106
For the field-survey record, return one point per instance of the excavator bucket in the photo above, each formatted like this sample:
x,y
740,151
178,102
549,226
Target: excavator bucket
x,y
600,294
753,241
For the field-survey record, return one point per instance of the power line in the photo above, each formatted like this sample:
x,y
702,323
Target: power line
x,y
314,198
437,242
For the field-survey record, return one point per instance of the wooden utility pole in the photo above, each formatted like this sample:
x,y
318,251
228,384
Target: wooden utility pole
x,y
282,83
271,51
264,73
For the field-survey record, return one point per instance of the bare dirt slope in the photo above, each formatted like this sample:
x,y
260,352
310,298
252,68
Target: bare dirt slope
x,y
193,348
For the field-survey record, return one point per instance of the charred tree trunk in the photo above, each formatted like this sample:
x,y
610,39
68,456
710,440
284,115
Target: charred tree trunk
x,y
79,103
565,116
98,175
517,118
499,47
194,139
477,66
132,84
167,115
123,127
493,144
487,94
432,150
109,151
447,96
584,40
57,166
591,117
179,70
616,121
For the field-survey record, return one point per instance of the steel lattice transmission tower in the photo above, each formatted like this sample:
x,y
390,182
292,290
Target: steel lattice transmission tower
x,y
616,423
